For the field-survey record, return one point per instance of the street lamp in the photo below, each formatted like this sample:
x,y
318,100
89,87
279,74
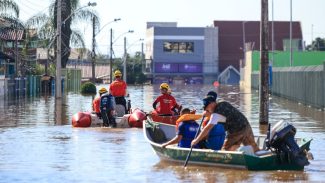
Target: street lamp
x,y
111,51
58,89
115,20
94,45
88,4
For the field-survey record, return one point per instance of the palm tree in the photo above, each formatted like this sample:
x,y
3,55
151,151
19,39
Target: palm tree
x,y
71,13
9,7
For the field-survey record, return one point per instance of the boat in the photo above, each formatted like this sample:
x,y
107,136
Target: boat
x,y
158,133
90,119
154,116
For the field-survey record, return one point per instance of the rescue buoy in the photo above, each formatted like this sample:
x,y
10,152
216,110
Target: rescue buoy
x,y
187,117
136,118
81,119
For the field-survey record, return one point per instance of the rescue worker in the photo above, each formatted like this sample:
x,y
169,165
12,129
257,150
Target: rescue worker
x,y
167,103
96,102
118,89
186,130
107,105
235,123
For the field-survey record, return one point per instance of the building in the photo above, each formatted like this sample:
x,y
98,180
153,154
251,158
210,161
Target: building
x,y
235,37
181,54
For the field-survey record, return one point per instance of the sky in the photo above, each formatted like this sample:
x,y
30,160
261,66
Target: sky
x,y
187,13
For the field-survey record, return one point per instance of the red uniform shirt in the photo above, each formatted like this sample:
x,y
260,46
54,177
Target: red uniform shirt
x,y
166,102
118,88
96,104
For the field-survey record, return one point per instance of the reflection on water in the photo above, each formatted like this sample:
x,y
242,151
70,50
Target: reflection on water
x,y
38,144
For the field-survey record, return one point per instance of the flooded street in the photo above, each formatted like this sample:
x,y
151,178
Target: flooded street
x,y
38,143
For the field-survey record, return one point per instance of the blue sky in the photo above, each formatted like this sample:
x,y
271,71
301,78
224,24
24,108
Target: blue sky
x,y
188,13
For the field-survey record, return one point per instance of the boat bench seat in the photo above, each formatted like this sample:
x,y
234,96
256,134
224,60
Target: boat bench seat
x,y
263,153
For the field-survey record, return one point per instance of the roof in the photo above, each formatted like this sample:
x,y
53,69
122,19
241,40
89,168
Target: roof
x,y
11,34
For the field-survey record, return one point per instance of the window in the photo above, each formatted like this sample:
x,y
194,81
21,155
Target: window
x,y
178,47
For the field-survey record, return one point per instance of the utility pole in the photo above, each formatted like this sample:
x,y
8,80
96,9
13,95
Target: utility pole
x,y
16,54
264,64
291,33
58,90
93,55
125,58
111,57
142,58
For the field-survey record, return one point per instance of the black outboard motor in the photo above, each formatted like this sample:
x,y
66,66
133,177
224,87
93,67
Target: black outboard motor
x,y
282,141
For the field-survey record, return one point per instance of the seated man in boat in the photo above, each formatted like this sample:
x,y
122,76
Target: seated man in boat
x,y
235,123
167,103
216,136
96,102
118,89
107,103
186,129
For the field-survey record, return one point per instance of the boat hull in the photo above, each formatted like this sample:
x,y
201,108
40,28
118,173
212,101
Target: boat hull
x,y
234,159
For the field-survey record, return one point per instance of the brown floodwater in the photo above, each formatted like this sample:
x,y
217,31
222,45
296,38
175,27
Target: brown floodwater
x,y
38,143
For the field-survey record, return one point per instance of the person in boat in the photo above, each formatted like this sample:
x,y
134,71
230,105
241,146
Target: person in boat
x,y
215,137
96,102
178,107
167,103
186,130
118,89
235,123
107,104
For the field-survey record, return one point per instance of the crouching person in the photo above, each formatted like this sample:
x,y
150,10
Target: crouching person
x,y
107,103
186,129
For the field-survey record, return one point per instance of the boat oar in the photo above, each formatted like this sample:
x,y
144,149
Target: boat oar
x,y
189,154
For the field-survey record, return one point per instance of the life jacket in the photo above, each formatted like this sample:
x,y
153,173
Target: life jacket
x,y
166,103
118,88
187,117
188,131
96,104
107,102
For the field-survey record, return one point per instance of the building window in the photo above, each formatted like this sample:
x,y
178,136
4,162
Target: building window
x,y
179,47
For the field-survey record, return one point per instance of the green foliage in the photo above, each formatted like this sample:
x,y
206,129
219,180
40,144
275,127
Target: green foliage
x,y
317,45
88,88
134,69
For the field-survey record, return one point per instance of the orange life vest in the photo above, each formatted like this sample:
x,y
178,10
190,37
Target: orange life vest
x,y
187,117
96,104
118,88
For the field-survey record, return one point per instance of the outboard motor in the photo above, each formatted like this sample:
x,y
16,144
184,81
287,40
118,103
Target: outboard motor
x,y
281,140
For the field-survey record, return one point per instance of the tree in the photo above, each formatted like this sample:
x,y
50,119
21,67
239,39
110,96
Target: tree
x,y
72,13
9,7
317,45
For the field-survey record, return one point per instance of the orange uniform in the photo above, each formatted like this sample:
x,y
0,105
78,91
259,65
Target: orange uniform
x,y
118,88
96,104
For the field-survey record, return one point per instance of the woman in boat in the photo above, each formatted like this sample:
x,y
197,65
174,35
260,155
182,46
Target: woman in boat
x,y
186,130
235,123
167,103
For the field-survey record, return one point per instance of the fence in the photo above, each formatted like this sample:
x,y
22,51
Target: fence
x,y
33,85
305,84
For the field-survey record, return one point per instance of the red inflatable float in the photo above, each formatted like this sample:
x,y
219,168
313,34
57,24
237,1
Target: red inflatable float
x,y
81,119
136,118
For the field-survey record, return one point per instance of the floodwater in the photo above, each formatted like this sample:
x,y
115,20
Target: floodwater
x,y
38,143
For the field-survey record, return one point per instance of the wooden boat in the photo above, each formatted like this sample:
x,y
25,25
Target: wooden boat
x,y
158,133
